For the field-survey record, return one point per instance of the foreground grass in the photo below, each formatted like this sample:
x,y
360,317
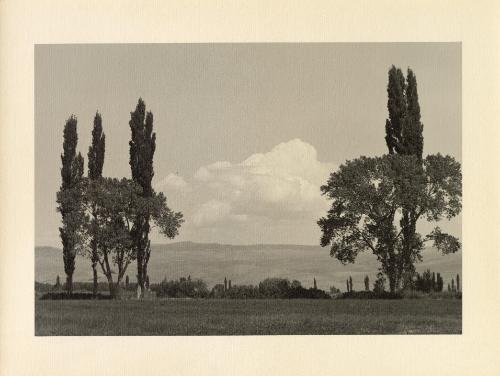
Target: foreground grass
x,y
247,317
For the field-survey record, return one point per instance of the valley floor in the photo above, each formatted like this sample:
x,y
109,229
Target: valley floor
x,y
247,317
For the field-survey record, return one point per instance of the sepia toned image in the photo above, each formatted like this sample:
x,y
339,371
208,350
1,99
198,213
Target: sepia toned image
x,y
248,189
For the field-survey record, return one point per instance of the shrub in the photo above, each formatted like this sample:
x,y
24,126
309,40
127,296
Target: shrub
x,y
182,288
379,285
274,287
241,292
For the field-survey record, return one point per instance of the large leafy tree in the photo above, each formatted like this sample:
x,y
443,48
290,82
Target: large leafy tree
x,y
368,195
68,199
142,149
95,166
115,206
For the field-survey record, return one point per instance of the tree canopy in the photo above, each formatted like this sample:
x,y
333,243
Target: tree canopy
x,y
111,207
368,196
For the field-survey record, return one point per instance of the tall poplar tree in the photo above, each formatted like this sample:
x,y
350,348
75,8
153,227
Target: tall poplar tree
x,y
404,136
396,105
95,166
142,148
68,199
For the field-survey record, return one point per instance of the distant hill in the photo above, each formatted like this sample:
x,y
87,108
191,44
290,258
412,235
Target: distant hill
x,y
246,264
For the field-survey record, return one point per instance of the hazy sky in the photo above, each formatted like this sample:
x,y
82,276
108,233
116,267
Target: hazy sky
x,y
246,133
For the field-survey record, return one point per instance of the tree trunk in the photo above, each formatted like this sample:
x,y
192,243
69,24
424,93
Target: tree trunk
x,y
392,282
113,288
140,275
69,283
95,287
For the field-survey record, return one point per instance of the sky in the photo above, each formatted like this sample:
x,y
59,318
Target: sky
x,y
246,133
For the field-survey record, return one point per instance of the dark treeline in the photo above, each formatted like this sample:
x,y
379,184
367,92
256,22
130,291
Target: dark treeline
x,y
270,288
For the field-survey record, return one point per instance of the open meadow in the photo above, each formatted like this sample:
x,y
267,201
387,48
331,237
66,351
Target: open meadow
x,y
247,317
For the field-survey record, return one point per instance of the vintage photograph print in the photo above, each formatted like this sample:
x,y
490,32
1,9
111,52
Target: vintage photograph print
x,y
248,189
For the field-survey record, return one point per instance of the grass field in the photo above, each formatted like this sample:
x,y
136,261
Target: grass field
x,y
247,317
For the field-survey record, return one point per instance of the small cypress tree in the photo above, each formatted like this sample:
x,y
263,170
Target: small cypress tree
x,y
453,285
350,284
439,282
434,282
58,282
449,288
229,285
315,286
225,284
367,283
127,282
347,284
458,282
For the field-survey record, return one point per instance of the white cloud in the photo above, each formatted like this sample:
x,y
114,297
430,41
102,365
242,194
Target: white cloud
x,y
283,183
172,181
215,211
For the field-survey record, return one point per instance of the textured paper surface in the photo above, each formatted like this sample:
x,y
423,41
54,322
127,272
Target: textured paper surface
x,y
23,24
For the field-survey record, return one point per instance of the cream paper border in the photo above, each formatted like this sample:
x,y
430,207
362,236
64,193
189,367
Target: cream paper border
x,y
475,24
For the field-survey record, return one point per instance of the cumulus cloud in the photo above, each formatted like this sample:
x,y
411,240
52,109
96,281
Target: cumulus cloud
x,y
280,184
214,211
172,181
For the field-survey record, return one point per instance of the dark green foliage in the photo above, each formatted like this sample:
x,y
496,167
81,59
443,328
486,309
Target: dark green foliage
x,y
379,284
274,287
367,193
95,166
428,282
367,283
403,128
182,288
116,205
270,288
142,147
424,282
439,283
334,290
68,199
239,292
413,141
96,149
396,105
404,136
